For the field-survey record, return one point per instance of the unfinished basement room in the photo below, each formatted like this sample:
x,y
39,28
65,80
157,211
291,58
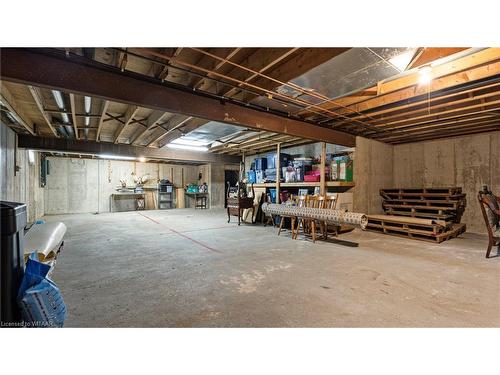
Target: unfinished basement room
x,y
250,187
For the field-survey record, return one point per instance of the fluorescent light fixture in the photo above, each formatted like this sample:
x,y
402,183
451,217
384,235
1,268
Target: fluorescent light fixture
x,y
188,142
115,157
186,147
87,101
142,159
31,157
59,99
87,120
402,60
424,75
65,118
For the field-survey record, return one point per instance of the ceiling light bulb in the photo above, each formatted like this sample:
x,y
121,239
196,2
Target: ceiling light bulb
x,y
424,75
87,104
59,99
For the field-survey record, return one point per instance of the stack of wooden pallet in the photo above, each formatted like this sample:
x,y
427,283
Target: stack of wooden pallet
x,y
430,214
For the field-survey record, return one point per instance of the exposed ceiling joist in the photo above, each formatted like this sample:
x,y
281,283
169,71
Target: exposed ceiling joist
x,y
475,66
430,54
173,124
73,114
153,119
9,102
37,97
24,66
188,127
129,116
104,108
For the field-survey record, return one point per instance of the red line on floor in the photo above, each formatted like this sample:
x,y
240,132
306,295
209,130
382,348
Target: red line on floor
x,y
182,235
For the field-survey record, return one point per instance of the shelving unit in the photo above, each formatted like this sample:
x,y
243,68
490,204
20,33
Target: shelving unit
x,y
322,184
306,184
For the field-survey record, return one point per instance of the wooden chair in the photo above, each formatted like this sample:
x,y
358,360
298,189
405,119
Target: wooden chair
x,y
308,225
267,219
236,205
301,202
292,218
330,204
490,207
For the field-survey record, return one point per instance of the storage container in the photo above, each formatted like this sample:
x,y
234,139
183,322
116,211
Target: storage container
x,y
260,164
251,177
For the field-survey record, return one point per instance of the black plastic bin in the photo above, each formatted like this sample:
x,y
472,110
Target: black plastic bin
x,y
13,221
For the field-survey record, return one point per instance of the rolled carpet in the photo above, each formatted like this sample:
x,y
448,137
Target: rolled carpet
x,y
336,217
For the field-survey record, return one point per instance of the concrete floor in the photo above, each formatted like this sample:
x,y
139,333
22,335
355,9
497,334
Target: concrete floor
x,y
182,268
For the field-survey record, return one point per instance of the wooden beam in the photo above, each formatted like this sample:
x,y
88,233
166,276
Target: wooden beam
x,y
198,81
17,112
431,110
440,129
154,118
488,128
303,61
278,167
26,66
129,116
37,97
322,181
95,148
263,60
428,55
180,130
173,124
73,114
450,74
424,99
481,117
104,108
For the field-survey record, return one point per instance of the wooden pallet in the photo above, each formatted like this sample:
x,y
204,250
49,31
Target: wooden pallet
x,y
409,224
426,202
433,190
423,215
415,234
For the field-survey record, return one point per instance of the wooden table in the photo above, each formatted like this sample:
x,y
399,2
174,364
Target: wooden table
x,y
200,199
113,196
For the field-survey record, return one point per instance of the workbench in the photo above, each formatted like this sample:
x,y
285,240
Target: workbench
x,y
135,196
200,199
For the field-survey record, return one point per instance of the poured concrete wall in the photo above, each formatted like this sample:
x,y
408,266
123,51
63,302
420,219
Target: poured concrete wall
x,y
373,170
469,161
77,185
24,185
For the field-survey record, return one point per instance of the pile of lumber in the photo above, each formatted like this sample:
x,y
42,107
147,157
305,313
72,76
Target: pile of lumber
x,y
429,214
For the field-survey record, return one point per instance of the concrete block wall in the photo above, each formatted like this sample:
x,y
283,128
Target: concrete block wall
x,y
469,161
